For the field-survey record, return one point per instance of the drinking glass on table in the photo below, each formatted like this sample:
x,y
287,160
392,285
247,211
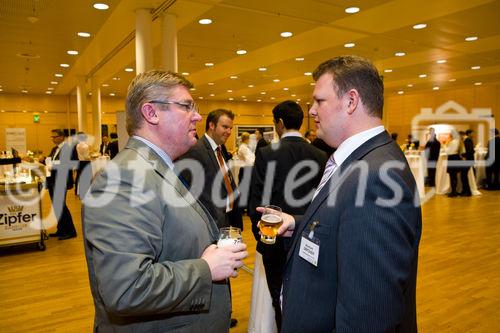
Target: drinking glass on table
x,y
269,224
228,236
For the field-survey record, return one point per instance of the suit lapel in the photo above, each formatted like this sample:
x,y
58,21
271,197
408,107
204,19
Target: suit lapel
x,y
216,166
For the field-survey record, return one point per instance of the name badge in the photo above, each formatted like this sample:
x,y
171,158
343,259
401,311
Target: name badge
x,y
309,246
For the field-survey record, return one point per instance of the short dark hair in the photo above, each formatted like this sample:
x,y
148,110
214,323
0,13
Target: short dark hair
x,y
290,112
213,116
113,135
353,72
59,132
469,132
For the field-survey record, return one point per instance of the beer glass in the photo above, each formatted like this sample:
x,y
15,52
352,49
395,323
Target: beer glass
x,y
228,236
269,224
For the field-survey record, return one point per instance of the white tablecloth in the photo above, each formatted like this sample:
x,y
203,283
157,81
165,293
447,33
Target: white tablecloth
x,y
443,178
261,309
418,169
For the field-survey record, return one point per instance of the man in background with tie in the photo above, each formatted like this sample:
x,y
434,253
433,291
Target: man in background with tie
x,y
215,187
352,265
59,181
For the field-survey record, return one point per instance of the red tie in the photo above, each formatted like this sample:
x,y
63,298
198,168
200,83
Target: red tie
x,y
227,182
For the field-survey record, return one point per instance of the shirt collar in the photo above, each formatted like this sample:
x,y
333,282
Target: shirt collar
x,y
291,134
212,142
164,156
347,147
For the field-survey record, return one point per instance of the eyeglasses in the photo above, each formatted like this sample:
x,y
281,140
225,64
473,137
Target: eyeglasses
x,y
188,106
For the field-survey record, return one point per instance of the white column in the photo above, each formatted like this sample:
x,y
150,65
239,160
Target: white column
x,y
96,111
143,43
169,42
81,101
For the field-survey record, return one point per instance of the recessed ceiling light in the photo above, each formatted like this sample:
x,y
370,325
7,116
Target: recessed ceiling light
x,y
229,91
263,93
48,92
259,100
244,100
209,64
400,54
1,89
100,6
243,97
286,34
64,65
54,82
388,70
83,34
192,89
50,88
422,76
409,85
58,75
185,73
116,78
200,97
435,88
475,67
452,80
24,91
401,92
112,94
293,95
250,86
441,61
211,83
349,45
24,111
233,77
205,21
470,38
45,111
72,52
241,52
105,85
308,73
128,69
231,98
299,59
262,69
351,10
276,80
285,89
273,98
312,83
478,83
298,99
212,95
420,26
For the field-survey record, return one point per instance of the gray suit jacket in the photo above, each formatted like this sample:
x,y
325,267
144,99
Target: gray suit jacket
x,y
365,279
144,236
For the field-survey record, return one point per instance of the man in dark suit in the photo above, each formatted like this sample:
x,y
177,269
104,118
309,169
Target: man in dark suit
x,y
352,265
217,190
291,154
103,149
113,145
62,163
493,158
261,142
468,157
432,148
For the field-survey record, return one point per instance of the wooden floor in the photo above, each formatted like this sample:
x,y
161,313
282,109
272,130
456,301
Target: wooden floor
x,y
458,278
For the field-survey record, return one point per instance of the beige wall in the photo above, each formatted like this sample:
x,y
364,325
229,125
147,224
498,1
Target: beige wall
x,y
398,112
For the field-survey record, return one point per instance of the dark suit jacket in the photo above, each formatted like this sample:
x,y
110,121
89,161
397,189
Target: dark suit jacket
x,y
104,150
64,161
469,149
261,143
366,274
285,154
202,185
113,148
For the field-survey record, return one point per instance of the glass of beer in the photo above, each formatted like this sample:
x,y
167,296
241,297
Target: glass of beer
x,y
269,223
228,236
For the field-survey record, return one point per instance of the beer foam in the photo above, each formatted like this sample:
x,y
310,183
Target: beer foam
x,y
271,218
227,242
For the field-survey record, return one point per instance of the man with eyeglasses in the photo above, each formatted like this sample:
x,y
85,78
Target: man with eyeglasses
x,y
149,243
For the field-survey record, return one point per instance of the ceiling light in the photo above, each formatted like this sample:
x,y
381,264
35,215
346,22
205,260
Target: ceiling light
x,y
112,94
259,100
229,91
420,26
50,88
83,34
441,61
388,70
286,34
409,85
192,89
299,59
105,85
24,111
72,52
470,38
401,92
262,69
422,76
100,6
241,52
276,80
209,64
24,91
400,54
308,73
128,69
435,88
64,65
285,89
244,100
185,73
211,83
212,95
231,98
273,98
1,89
263,93
478,83
116,78
250,86
58,75
48,92
349,45
205,21
233,77
200,97
54,82
298,99
475,67
312,83
452,80
243,97
352,10
293,95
